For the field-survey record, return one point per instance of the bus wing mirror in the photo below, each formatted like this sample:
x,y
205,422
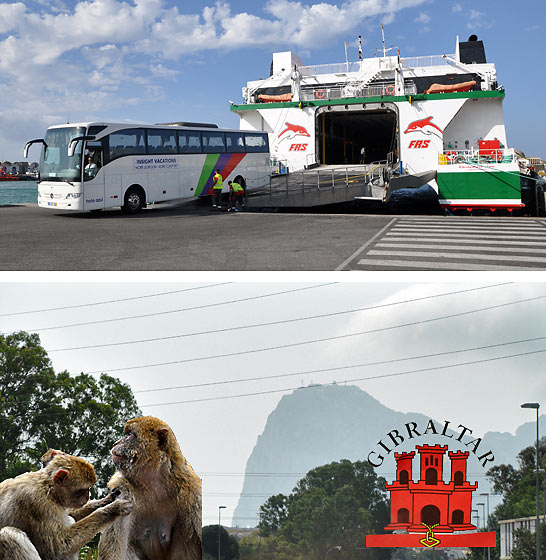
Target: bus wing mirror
x,y
74,142
29,144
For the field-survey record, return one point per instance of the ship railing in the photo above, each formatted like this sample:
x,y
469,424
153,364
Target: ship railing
x,y
278,166
425,61
319,179
344,68
477,157
335,68
319,93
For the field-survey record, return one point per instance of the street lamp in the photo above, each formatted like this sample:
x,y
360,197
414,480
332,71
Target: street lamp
x,y
477,516
487,522
220,508
483,512
536,406
543,471
333,548
483,518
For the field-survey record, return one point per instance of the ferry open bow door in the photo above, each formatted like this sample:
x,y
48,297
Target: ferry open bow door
x,y
343,130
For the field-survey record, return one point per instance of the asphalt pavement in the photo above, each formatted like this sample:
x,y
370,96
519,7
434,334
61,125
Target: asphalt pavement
x,y
184,237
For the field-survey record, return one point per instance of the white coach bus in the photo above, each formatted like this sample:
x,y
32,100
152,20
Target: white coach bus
x,y
91,166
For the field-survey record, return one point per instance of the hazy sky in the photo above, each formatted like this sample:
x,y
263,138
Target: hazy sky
x,y
217,436
165,60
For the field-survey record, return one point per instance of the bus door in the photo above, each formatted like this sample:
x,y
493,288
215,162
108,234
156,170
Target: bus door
x,y
93,176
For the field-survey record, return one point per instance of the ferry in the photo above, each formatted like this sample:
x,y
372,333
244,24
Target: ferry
x,y
7,176
408,122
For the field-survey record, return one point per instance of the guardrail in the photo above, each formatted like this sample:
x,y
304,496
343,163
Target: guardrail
x,y
477,157
333,178
387,63
319,93
425,61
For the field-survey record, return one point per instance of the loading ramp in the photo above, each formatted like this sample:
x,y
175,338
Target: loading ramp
x,y
324,184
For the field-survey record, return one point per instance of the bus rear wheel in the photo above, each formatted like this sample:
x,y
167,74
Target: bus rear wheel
x,y
134,201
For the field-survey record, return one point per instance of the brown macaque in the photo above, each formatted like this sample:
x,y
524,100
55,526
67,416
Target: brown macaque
x,y
151,471
15,545
91,505
34,511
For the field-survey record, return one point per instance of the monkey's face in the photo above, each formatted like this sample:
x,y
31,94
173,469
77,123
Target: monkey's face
x,y
70,491
125,450
143,445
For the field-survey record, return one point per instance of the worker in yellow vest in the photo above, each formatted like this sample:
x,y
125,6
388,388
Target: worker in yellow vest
x,y
236,194
217,185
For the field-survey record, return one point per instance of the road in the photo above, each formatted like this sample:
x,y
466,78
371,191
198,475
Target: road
x,y
191,237
455,243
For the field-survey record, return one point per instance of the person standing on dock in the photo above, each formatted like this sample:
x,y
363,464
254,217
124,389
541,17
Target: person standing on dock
x,y
217,185
363,154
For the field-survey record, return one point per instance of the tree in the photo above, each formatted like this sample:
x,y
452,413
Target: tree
x,y
229,547
517,486
39,409
332,505
525,544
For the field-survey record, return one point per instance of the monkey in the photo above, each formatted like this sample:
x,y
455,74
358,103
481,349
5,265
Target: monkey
x,y
91,505
15,545
151,471
34,511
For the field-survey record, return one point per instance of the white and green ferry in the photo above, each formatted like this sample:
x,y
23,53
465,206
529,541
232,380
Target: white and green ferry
x,y
435,120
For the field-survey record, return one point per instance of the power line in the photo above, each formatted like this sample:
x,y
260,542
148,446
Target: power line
x,y
337,368
382,376
296,344
281,322
112,301
171,311
369,378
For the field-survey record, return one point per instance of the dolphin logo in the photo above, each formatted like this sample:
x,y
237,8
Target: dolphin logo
x,y
420,126
292,130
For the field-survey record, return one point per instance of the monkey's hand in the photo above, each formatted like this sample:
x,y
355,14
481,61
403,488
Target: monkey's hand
x,y
118,507
114,494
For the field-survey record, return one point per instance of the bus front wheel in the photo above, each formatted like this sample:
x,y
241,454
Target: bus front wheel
x,y
134,201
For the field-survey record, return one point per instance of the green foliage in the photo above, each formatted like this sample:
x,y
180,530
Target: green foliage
x,y
525,544
229,547
334,505
88,553
517,485
40,409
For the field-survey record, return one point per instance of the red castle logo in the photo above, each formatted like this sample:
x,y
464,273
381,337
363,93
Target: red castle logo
x,y
440,509
431,501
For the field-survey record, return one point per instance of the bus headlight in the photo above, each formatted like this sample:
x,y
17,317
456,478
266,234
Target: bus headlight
x,y
73,195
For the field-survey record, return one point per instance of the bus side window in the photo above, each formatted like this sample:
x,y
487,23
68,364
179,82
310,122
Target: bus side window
x,y
127,142
189,142
235,142
213,142
256,142
161,141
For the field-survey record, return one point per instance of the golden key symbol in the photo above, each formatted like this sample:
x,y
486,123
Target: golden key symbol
x,y
430,540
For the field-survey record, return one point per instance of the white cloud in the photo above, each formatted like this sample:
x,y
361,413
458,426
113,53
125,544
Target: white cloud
x,y
456,8
423,18
478,20
109,53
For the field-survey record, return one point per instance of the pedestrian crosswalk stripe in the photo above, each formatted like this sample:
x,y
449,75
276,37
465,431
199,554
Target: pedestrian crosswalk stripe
x,y
469,240
510,258
449,247
421,265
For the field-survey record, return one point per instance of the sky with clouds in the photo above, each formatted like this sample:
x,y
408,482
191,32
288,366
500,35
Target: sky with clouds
x,y
207,332
158,60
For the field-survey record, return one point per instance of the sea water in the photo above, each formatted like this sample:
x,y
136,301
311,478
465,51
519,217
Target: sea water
x,y
18,192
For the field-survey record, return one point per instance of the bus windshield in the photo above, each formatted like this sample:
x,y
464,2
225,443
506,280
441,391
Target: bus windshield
x,y
55,165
